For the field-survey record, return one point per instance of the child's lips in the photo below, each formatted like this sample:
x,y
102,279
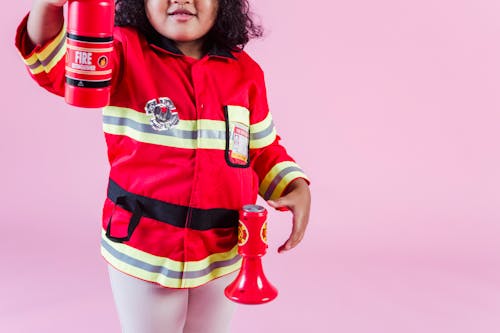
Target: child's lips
x,y
181,15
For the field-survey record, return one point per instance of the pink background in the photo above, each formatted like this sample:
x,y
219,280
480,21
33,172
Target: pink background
x,y
392,108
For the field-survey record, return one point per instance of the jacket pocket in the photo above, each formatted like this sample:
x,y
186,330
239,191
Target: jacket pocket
x,y
237,136
123,220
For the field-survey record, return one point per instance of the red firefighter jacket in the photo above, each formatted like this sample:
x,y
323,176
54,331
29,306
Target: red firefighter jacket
x,y
189,143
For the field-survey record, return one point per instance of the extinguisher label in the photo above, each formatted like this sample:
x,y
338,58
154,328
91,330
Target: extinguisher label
x,y
88,61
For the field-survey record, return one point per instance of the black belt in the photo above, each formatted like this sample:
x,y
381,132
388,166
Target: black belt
x,y
176,215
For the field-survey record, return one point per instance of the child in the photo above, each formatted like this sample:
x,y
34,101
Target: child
x,y
190,141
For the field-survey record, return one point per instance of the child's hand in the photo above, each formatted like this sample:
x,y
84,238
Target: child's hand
x,y
298,200
45,20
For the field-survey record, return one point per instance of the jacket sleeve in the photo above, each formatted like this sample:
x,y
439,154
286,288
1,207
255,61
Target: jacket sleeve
x,y
270,160
46,63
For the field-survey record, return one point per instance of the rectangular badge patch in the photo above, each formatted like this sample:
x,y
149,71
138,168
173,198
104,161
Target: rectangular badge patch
x,y
239,142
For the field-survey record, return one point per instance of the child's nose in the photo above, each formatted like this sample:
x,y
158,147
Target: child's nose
x,y
181,2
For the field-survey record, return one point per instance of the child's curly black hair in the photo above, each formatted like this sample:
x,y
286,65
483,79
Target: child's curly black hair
x,y
232,30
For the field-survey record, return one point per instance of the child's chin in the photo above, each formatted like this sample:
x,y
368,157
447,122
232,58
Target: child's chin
x,y
182,38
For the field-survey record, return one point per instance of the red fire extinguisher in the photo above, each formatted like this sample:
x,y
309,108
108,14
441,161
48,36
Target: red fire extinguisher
x,y
89,45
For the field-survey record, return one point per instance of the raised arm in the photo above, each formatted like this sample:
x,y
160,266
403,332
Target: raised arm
x,y
45,20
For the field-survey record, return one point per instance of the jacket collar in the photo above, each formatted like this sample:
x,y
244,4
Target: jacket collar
x,y
168,45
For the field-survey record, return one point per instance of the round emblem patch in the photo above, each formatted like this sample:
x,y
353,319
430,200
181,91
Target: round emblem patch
x,y
102,61
263,232
242,234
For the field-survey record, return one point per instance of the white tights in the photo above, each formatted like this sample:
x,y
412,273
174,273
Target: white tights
x,y
145,307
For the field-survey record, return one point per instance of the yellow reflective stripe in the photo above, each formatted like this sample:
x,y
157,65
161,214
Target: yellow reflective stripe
x,y
143,118
198,128
149,137
37,70
165,280
31,59
132,114
143,256
284,183
278,178
138,260
238,113
275,170
263,142
217,272
215,125
170,141
166,262
203,133
45,53
263,133
49,48
56,59
262,125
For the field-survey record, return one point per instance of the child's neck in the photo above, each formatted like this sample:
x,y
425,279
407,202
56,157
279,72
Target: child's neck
x,y
193,49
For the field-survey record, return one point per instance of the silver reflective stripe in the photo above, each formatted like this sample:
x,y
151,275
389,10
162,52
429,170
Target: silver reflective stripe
x,y
51,56
262,134
212,134
173,132
277,180
165,271
35,65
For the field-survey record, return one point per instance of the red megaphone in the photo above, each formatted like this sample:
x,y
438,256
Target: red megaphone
x,y
251,285
89,44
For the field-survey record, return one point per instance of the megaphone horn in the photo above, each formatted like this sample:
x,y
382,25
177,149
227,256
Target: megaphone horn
x,y
251,285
